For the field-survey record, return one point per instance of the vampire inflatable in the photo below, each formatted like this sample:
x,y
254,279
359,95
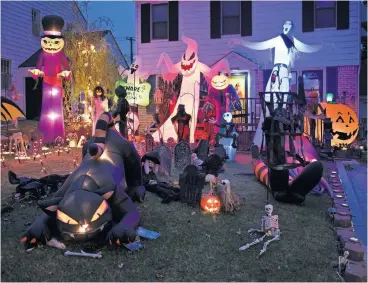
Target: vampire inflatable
x,y
229,126
97,195
122,110
182,119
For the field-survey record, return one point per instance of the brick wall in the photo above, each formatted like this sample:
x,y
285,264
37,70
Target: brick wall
x,y
144,118
348,81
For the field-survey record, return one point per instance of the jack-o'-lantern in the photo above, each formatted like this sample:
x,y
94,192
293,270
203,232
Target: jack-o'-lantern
x,y
211,203
345,124
52,45
220,81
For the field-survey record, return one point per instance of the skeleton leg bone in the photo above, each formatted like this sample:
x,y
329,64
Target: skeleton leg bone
x,y
82,253
276,238
256,241
252,230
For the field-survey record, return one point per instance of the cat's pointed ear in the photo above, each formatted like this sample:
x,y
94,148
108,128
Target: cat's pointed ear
x,y
106,192
49,206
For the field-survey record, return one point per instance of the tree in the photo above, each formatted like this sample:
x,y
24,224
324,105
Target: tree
x,y
92,62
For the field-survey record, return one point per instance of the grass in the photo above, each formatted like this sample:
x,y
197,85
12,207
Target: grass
x,y
192,246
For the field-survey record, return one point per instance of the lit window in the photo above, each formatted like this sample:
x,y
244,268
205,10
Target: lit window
x,y
231,17
160,15
325,14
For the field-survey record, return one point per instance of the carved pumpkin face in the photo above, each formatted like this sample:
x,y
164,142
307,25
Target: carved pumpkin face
x,y
211,203
220,82
52,45
344,123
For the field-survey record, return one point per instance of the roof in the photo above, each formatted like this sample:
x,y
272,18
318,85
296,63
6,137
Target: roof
x,y
31,61
241,56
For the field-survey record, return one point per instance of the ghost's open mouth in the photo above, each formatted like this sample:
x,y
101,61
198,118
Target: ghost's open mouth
x,y
187,67
344,136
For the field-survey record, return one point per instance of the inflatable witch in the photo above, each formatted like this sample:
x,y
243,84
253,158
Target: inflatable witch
x,y
286,48
55,67
191,68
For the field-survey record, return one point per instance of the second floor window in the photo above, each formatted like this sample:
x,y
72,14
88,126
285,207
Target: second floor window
x,y
325,14
160,15
5,73
36,22
231,17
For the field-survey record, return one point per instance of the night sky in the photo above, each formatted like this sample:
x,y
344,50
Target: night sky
x,y
122,15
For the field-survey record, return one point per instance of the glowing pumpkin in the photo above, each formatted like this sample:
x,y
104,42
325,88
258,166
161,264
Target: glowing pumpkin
x,y
211,203
345,124
220,82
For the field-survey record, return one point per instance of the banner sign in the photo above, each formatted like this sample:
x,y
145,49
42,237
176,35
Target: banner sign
x,y
136,94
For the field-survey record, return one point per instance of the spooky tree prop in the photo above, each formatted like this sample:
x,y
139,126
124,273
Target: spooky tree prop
x,y
98,193
285,48
190,67
55,67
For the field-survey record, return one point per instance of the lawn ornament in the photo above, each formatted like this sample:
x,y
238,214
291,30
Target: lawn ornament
x,y
229,201
136,74
230,129
182,155
286,48
211,203
97,194
191,183
55,68
196,161
181,122
269,228
99,105
190,67
345,123
122,109
9,110
343,264
220,81
202,149
82,253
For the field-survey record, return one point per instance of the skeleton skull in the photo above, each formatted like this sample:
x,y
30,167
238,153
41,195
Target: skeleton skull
x,y
52,45
228,117
346,254
269,209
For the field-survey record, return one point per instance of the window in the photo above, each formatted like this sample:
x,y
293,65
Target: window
x,y
5,74
231,17
36,22
160,15
325,14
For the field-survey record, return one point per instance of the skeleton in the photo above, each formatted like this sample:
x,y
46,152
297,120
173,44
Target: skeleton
x,y
17,139
343,264
82,253
269,227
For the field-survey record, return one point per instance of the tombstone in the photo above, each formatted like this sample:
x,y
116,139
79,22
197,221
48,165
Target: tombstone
x,y
165,161
191,184
220,151
149,143
203,149
182,154
230,151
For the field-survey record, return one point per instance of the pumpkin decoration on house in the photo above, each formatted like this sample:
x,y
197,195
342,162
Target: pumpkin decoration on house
x,y
220,81
211,203
345,124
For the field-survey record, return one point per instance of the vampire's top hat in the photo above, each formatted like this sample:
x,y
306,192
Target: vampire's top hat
x,y
52,25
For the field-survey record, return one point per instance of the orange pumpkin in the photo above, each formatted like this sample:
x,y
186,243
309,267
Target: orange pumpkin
x,y
211,203
345,124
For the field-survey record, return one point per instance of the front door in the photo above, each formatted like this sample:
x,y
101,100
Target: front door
x,y
33,98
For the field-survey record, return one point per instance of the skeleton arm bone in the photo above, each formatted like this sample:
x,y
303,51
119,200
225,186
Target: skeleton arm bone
x,y
302,47
268,44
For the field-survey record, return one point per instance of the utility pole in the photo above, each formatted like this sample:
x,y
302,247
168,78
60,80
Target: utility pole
x,y
131,39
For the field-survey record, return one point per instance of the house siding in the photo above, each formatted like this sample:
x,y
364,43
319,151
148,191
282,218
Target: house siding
x,y
340,47
17,41
347,82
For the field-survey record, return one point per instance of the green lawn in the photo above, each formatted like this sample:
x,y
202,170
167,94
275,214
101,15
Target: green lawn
x,y
192,246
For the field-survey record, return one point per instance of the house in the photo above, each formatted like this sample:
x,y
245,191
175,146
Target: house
x,y
20,37
33,95
333,24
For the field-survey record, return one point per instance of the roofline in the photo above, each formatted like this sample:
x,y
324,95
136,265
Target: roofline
x,y
80,12
250,60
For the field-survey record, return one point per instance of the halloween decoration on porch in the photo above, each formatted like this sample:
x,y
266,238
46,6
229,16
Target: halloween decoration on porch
x,y
269,228
190,67
96,194
166,191
99,105
182,155
122,110
191,183
230,129
55,67
9,110
181,123
286,48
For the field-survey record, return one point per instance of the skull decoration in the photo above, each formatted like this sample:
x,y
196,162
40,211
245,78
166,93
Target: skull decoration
x,y
228,117
189,60
269,209
52,45
220,82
